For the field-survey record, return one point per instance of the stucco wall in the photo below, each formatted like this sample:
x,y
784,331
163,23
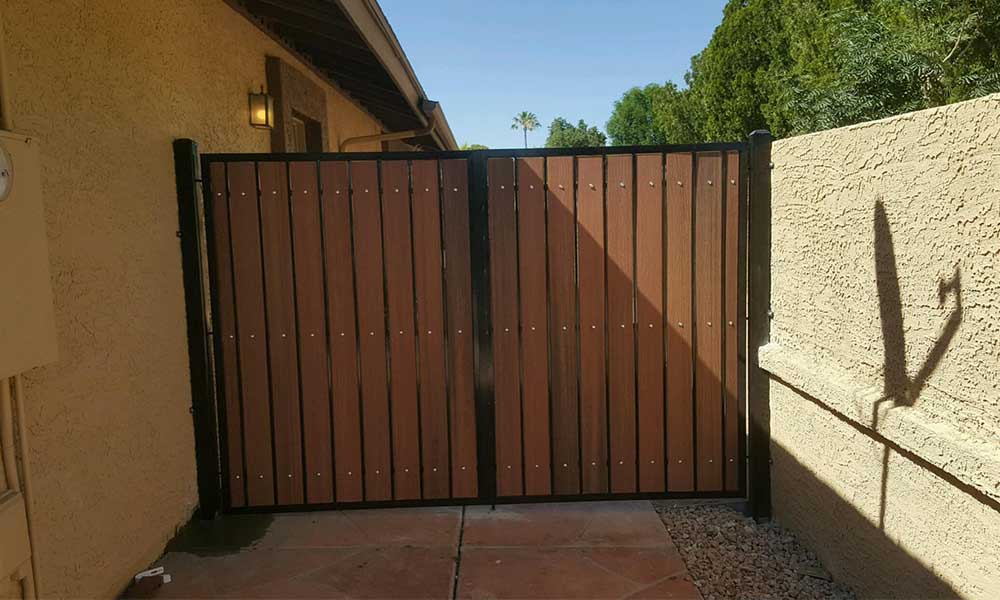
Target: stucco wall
x,y
885,349
105,86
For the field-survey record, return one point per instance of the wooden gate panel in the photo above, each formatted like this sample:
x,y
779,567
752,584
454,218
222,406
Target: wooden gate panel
x,y
732,312
232,414
708,314
680,381
562,325
279,304
592,325
342,331
311,311
371,323
343,292
649,316
458,307
428,276
621,321
506,346
251,333
534,325
405,412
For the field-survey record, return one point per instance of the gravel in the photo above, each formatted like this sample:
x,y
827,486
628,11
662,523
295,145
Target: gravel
x,y
731,556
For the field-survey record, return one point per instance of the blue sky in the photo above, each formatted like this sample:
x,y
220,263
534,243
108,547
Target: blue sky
x,y
486,60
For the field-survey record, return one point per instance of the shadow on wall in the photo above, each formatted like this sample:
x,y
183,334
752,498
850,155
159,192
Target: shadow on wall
x,y
901,573
899,389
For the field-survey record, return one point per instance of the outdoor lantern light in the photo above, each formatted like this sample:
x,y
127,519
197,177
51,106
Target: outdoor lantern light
x,y
261,110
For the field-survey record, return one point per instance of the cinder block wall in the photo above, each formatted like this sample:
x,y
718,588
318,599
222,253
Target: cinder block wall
x,y
885,350
104,87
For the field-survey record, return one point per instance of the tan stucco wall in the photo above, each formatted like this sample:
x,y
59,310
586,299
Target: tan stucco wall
x,y
105,86
901,497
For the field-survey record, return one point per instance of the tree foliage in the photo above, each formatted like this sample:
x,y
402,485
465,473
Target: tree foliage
x,y
563,134
795,66
473,147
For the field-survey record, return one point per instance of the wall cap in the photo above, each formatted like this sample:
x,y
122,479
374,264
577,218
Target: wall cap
x,y
972,461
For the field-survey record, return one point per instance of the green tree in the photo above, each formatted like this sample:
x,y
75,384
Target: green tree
x,y
655,114
473,147
563,134
632,121
795,66
526,121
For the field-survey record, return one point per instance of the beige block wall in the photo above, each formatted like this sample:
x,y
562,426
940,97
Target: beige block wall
x,y
885,350
105,86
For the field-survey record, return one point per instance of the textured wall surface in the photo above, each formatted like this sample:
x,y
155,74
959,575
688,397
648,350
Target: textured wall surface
x,y
885,349
106,86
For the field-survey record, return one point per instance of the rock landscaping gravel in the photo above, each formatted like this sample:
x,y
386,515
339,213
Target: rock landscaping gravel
x,y
731,556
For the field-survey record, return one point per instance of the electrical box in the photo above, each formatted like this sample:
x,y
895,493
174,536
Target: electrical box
x,y
27,319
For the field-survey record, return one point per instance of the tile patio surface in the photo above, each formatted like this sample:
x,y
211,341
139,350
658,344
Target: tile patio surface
x,y
566,550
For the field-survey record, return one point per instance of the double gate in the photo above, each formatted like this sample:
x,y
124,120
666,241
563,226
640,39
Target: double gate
x,y
478,326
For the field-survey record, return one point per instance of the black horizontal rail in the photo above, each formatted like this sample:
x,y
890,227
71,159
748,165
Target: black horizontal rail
x,y
491,153
481,501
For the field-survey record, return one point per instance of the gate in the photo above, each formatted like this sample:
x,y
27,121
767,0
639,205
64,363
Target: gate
x,y
400,328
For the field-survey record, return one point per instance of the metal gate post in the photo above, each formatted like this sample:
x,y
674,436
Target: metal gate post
x,y
759,326
186,171
482,318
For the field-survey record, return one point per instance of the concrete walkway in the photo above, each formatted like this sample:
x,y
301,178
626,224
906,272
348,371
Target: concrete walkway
x,y
571,550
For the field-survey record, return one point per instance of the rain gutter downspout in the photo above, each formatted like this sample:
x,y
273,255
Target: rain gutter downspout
x,y
385,137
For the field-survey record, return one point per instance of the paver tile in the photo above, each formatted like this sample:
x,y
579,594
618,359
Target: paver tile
x,y
565,524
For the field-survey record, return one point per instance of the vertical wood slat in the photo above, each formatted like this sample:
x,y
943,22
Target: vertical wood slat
x,y
506,355
279,304
342,323
251,333
679,360
562,325
534,326
708,312
458,284
429,289
368,272
592,326
225,325
649,258
405,417
621,332
311,308
731,359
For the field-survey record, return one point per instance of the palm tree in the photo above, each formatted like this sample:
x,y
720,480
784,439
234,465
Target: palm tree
x,y
526,121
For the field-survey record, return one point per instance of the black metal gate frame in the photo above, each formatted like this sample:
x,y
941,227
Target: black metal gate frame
x,y
206,385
